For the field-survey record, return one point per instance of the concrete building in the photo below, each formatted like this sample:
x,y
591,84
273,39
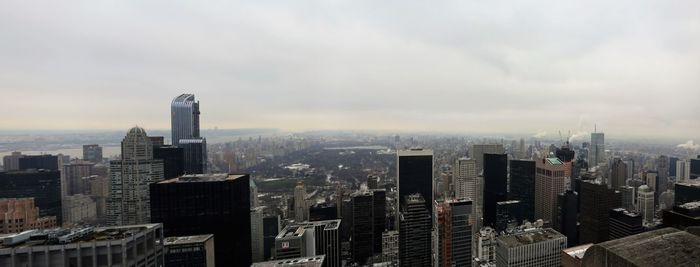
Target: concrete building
x,y
73,178
310,239
535,247
79,209
301,206
189,251
550,181
454,233
390,247
313,261
130,176
257,237
645,203
92,153
486,245
132,245
20,214
682,170
464,178
662,247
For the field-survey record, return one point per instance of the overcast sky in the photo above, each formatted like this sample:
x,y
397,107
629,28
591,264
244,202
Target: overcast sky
x,y
632,67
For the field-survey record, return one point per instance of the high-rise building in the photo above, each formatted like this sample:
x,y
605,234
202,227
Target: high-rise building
x,y
486,245
184,111
11,162
42,185
99,191
618,174
682,216
415,175
390,247
596,202
596,155
372,181
368,223
521,149
271,228
216,204
131,245
257,237
39,162
189,251
537,247
508,214
301,207
550,181
21,214
92,153
465,177
323,212
682,170
73,178
624,223
454,233
645,203
694,168
415,233
567,216
173,158
628,194
672,161
130,176
195,155
478,150
522,186
495,185
79,209
310,239
687,192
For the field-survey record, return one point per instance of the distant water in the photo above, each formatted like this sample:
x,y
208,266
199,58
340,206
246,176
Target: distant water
x,y
107,152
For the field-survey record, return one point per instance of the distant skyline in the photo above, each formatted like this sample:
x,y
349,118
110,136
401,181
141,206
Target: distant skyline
x,y
523,67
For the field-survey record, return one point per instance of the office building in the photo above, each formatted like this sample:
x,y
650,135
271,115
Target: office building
x,y
618,174
11,162
38,162
21,214
687,192
310,239
184,111
486,245
508,214
200,204
624,223
415,175
694,168
99,191
682,170
537,247
464,178
131,245
550,181
415,233
662,247
73,178
368,223
257,236
130,176
567,216
271,228
628,194
454,233
189,251
645,203
79,209
682,216
301,207
495,185
92,153
478,150
596,153
323,212
195,155
672,161
313,261
390,247
596,202
173,160
522,186
42,185
372,182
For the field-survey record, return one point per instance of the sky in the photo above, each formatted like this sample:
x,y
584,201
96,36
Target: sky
x,y
533,67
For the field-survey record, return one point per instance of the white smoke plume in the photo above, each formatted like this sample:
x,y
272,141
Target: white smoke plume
x,y
689,145
540,134
579,136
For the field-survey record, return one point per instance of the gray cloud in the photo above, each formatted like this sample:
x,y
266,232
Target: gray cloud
x,y
461,66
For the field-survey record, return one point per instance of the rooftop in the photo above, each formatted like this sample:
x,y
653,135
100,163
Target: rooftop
x,y
198,178
193,239
691,205
554,161
577,252
298,229
529,237
415,152
58,236
303,261
662,247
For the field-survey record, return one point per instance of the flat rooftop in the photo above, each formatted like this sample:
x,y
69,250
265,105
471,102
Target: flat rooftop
x,y
298,229
198,178
415,152
303,261
577,252
182,240
530,236
61,236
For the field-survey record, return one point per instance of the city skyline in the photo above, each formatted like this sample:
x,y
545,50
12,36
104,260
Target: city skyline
x,y
460,67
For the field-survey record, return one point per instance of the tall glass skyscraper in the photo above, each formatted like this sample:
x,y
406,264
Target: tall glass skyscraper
x,y
184,118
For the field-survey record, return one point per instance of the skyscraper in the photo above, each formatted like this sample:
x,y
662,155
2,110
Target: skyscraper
x,y
271,227
645,203
414,175
596,155
368,224
618,174
465,178
194,155
522,186
38,162
11,162
216,204
508,214
628,194
567,216
454,233
310,239
301,208
549,183
495,185
415,233
477,153
184,118
257,236
596,202
73,178
624,223
43,185
687,192
173,160
92,153
129,179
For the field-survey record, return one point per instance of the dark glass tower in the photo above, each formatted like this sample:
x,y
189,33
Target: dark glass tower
x,y
43,185
173,160
495,185
39,162
368,224
596,202
415,175
216,204
624,223
567,216
522,186
414,233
